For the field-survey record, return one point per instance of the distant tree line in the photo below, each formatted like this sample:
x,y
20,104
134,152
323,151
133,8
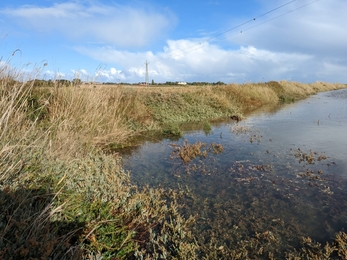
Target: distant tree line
x,y
206,83
168,83
57,82
119,83
77,82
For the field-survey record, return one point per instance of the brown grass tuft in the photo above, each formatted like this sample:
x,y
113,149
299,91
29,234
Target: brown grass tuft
x,y
88,117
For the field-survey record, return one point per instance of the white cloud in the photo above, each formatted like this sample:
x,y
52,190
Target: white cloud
x,y
111,75
317,29
209,62
81,74
306,45
54,74
112,24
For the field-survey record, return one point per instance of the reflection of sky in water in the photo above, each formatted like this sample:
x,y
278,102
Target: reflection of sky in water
x,y
300,203
318,123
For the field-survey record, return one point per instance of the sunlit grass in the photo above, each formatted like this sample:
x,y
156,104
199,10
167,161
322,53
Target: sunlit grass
x,y
88,117
63,197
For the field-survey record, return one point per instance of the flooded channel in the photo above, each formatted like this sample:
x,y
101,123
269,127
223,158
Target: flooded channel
x,y
261,184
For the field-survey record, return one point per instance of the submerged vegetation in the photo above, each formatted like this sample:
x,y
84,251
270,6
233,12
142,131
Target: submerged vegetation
x,y
63,195
188,152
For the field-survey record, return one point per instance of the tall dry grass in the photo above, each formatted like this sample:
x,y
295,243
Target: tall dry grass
x,y
19,137
249,96
26,199
60,196
300,89
88,118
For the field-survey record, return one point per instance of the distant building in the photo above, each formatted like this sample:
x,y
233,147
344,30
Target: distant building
x,y
181,83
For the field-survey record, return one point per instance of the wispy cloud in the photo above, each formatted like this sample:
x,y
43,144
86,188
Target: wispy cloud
x,y
305,45
111,24
317,29
213,2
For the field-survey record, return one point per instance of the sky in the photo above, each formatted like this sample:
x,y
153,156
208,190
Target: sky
x,y
231,41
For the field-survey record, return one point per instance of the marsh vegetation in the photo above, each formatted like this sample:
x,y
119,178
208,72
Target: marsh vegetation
x,y
64,192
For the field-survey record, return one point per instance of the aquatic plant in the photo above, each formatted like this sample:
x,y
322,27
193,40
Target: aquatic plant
x,y
309,157
187,152
252,133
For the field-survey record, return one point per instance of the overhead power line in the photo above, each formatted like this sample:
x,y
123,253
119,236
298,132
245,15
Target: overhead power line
x,y
251,20
269,20
200,45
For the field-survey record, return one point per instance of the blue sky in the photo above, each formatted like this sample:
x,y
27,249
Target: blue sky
x,y
183,40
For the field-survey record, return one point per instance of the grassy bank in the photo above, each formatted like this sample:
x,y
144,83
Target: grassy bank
x,y
63,197
171,107
165,108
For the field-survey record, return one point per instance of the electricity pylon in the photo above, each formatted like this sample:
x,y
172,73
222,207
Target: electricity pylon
x,y
147,79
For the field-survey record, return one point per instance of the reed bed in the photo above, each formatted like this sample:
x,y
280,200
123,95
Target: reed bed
x,y
88,117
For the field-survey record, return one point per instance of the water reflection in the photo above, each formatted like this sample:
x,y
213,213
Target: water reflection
x,y
282,175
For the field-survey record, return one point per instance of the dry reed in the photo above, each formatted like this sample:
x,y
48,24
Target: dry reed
x,y
88,117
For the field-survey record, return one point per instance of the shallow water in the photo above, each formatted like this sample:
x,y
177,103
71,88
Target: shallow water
x,y
282,174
